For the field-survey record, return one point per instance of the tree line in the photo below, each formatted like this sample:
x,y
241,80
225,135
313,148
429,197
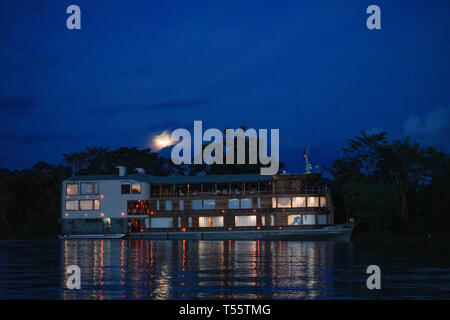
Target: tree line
x,y
389,187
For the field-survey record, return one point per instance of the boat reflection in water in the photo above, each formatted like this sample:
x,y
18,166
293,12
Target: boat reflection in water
x,y
154,269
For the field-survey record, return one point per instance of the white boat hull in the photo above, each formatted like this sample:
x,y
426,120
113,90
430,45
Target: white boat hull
x,y
93,236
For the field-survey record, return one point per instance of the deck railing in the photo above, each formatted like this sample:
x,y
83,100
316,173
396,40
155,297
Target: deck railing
x,y
240,193
225,211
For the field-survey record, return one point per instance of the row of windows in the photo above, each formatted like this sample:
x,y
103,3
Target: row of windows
x,y
208,222
82,188
306,219
242,221
247,203
299,202
87,205
130,188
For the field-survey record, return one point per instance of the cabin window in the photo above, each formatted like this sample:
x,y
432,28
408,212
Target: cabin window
x,y
72,189
274,202
323,201
299,202
295,220
157,204
96,188
72,205
209,204
272,220
125,187
246,203
181,205
206,204
168,205
190,222
136,188
86,188
313,201
322,219
197,205
245,221
259,202
263,220
179,222
96,204
86,205
210,222
161,222
284,202
309,219
233,203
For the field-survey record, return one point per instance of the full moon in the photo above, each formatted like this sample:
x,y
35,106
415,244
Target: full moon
x,y
163,140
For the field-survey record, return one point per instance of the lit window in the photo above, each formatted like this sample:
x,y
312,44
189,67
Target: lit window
x,y
72,189
274,202
72,205
299,202
284,202
86,205
125,187
87,188
313,201
295,220
245,221
210,222
96,204
136,188
323,201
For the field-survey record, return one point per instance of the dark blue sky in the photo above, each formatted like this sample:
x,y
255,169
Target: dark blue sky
x,y
136,68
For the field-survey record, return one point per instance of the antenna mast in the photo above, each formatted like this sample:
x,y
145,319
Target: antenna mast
x,y
308,167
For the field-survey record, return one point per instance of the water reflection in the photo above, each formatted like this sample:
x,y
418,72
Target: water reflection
x,y
146,269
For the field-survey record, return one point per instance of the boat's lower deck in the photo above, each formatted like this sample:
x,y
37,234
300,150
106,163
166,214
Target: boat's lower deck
x,y
330,233
339,233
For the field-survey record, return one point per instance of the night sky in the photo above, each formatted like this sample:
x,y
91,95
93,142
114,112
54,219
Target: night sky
x,y
137,68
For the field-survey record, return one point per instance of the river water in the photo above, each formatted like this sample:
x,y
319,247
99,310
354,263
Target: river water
x,y
149,269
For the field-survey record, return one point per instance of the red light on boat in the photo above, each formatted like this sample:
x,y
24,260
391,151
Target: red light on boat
x,y
280,228
102,196
122,214
183,229
259,228
102,214
229,229
254,210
